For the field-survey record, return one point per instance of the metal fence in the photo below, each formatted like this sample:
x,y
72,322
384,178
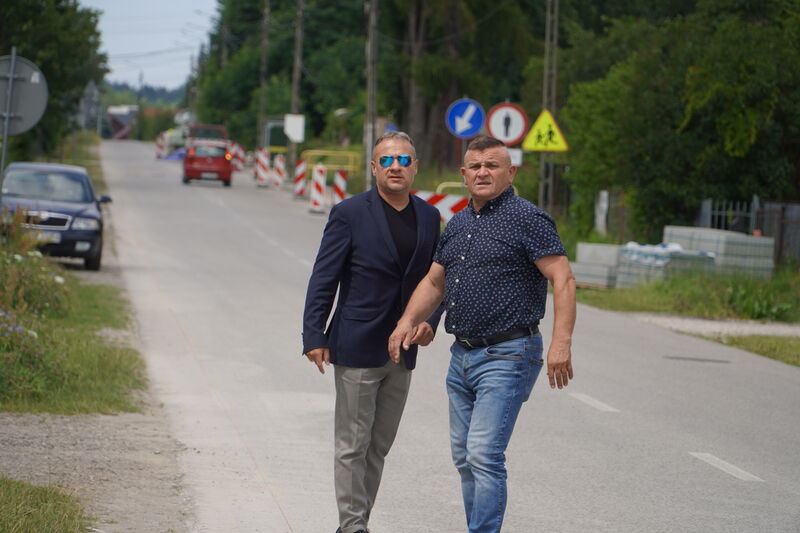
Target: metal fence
x,y
782,222
729,215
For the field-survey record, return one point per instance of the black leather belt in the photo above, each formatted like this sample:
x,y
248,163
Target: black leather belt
x,y
510,335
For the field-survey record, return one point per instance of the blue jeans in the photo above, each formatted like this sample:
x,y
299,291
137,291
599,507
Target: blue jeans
x,y
486,388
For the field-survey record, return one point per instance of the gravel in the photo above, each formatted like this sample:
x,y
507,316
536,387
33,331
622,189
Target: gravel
x,y
123,467
719,328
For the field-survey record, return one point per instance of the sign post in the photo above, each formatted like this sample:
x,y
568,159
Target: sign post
x,y
24,107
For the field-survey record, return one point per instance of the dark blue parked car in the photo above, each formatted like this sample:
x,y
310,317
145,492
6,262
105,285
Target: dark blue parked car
x,y
61,205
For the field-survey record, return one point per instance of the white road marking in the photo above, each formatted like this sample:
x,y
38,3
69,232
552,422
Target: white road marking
x,y
597,404
726,467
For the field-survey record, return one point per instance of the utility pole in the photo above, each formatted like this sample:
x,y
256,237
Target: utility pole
x,y
262,77
369,119
547,181
139,110
298,65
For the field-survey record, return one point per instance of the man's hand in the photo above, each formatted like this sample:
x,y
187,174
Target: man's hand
x,y
423,335
559,364
403,335
318,356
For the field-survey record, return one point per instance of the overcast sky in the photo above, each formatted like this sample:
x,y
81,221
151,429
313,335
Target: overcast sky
x,y
156,38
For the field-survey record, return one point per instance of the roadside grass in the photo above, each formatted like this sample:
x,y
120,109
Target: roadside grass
x,y
785,349
708,296
54,357
25,508
98,376
717,297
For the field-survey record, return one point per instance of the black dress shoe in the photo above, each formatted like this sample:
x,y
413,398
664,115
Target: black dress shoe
x,y
339,530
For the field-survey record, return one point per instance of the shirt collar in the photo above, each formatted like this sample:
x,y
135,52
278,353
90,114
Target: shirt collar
x,y
495,202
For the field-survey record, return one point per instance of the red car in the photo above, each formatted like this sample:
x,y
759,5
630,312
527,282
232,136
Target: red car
x,y
208,159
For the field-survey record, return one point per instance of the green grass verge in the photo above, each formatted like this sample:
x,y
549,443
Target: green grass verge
x,y
25,508
100,376
708,296
785,349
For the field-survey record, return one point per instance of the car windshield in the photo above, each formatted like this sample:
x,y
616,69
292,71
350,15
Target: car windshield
x,y
209,151
47,185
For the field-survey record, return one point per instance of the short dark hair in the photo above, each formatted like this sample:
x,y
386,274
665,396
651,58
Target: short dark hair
x,y
399,135
484,142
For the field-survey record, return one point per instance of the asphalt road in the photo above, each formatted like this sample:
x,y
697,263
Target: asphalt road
x,y
659,431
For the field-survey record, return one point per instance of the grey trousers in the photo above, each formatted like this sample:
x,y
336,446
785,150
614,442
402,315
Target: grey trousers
x,y
369,405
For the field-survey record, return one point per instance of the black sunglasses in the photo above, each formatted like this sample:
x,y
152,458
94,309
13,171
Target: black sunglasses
x,y
386,160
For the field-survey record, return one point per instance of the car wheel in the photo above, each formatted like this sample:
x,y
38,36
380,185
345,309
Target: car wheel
x,y
92,262
185,180
227,183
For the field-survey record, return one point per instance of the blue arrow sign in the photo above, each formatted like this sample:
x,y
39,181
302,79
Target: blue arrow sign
x,y
464,118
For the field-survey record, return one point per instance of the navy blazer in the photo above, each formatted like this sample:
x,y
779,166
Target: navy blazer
x,y
359,257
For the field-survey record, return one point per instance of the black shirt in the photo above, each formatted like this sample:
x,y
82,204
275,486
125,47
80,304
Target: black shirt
x,y
403,226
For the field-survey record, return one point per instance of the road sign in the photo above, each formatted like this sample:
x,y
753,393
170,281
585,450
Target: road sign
x,y
464,118
28,93
294,126
507,122
545,135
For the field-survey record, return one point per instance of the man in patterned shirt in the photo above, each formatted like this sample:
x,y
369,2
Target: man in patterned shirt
x,y
491,269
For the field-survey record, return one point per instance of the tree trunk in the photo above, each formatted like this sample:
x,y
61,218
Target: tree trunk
x,y
415,115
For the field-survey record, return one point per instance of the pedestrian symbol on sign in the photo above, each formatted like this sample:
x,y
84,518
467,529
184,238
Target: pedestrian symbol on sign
x,y
545,135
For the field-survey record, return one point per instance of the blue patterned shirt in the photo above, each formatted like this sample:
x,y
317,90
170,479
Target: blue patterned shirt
x,y
491,283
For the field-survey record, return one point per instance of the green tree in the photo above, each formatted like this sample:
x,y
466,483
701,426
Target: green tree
x,y
705,106
62,39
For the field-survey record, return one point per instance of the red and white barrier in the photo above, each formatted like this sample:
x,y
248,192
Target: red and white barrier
x,y
161,143
319,176
262,167
237,155
300,178
447,204
278,170
339,186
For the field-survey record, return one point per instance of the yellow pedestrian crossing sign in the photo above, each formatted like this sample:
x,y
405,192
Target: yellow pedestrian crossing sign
x,y
545,135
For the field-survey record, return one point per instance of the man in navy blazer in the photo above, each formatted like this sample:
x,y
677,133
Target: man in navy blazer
x,y
376,247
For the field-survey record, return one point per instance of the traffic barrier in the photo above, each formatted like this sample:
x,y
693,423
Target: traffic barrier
x,y
447,204
300,178
320,174
339,186
161,143
237,155
278,170
262,167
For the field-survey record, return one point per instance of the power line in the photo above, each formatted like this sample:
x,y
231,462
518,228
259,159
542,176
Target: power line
x,y
133,55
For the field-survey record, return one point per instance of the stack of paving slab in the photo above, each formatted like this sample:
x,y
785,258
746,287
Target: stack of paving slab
x,y
733,251
640,263
596,264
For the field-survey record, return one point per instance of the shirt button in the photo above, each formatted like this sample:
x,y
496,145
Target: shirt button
x,y
462,257
469,235
478,216
456,280
452,304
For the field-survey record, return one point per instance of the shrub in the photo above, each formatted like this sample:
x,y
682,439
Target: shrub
x,y
31,283
28,282
27,367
